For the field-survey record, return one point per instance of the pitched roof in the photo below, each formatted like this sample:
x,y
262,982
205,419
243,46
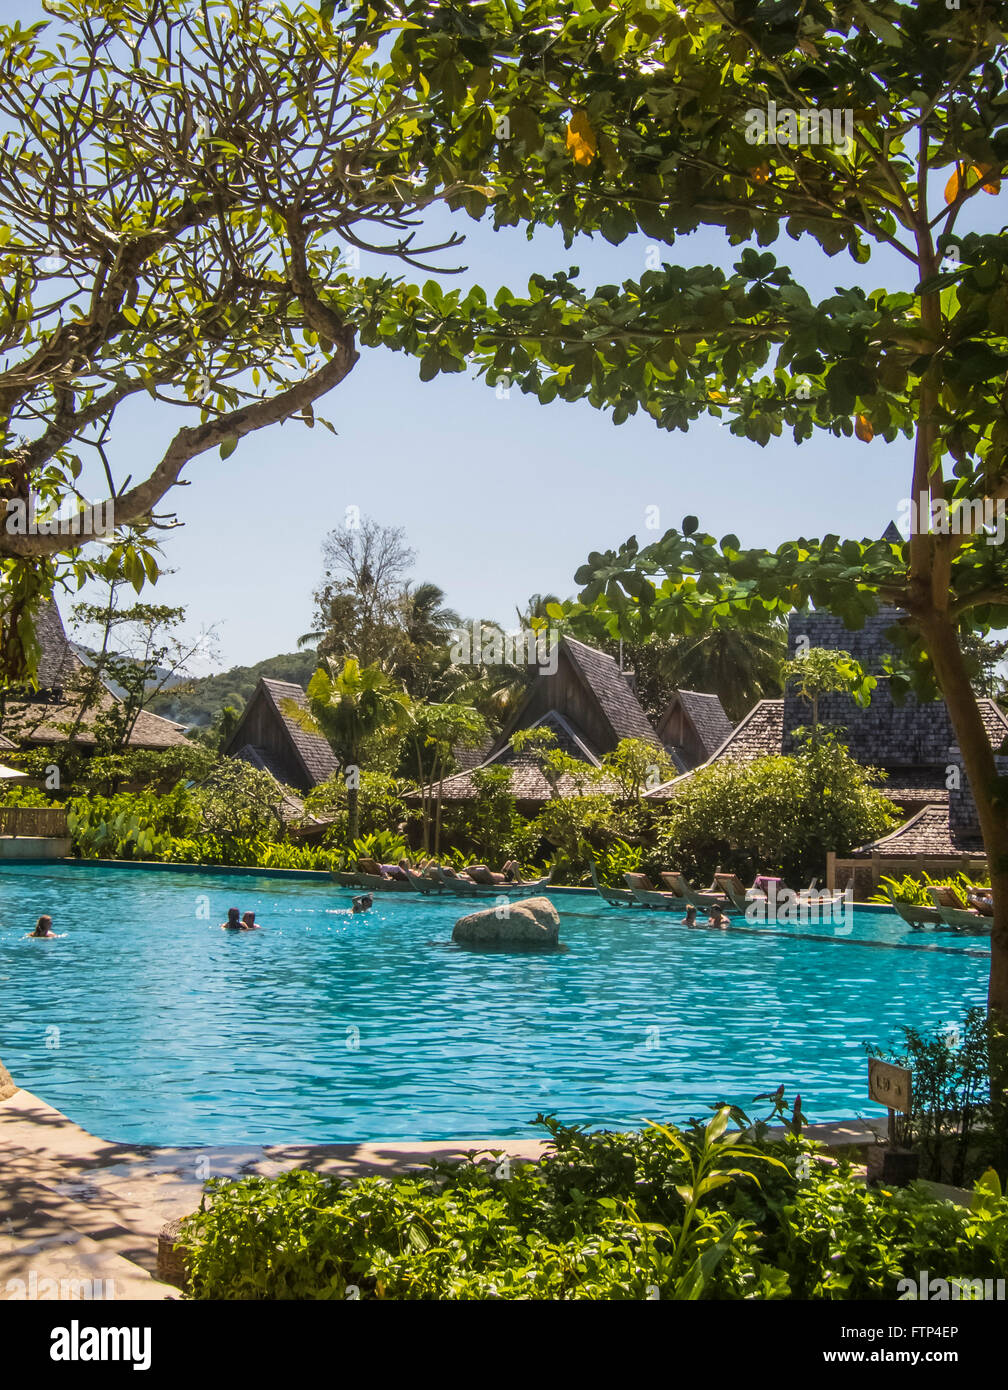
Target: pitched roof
x,y
57,659
928,832
291,806
527,782
706,714
612,690
313,749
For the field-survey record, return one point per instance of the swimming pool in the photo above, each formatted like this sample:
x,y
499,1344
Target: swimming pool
x,y
146,1024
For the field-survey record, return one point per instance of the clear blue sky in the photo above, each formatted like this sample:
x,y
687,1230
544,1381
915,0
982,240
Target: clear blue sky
x,y
499,498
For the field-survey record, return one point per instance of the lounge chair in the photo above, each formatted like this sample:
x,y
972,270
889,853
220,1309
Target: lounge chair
x,y
645,894
372,875
700,898
954,915
465,887
615,897
738,895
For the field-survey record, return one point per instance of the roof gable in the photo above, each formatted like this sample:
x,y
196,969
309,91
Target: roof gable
x,y
312,749
706,714
612,692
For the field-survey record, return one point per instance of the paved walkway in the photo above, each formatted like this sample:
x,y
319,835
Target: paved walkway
x,y
80,1216
75,1209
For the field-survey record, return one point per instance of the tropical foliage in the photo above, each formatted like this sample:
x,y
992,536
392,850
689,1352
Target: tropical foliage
x,y
708,1211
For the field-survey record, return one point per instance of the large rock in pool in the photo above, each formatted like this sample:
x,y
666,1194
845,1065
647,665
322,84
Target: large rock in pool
x,y
529,922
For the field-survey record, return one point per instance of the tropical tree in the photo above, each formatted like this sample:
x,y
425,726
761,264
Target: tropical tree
x,y
349,706
185,194
853,127
823,671
435,733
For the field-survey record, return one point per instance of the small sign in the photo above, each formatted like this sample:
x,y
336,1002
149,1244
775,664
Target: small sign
x,y
889,1085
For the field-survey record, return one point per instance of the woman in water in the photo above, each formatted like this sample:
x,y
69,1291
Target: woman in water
x,y
43,927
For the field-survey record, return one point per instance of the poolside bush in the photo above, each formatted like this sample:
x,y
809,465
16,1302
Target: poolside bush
x,y
914,891
706,1211
777,814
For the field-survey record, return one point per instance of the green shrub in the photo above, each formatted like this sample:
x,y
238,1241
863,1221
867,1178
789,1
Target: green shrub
x,y
703,1211
914,891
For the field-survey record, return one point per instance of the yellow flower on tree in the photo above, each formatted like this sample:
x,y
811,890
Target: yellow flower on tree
x,y
581,140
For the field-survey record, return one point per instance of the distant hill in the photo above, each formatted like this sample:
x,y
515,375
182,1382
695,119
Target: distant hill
x,y
197,703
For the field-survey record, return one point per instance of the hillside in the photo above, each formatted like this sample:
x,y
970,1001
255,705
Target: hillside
x,y
198,702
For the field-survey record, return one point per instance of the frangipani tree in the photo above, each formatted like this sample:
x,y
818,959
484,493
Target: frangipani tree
x,y
183,188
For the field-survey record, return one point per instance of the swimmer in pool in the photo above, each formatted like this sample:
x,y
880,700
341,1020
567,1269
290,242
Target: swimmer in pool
x,y
43,927
249,922
234,922
362,903
717,918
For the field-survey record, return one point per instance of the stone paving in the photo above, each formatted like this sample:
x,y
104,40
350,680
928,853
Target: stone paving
x,y
80,1216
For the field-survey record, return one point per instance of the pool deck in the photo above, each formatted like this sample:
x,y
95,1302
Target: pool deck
x,y
75,1208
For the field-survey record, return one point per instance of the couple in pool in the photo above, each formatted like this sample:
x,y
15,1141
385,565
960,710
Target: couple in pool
x,y
238,922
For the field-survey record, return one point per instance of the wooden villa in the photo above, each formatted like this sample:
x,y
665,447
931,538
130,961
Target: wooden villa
x,y
268,736
692,727
912,743
589,704
45,717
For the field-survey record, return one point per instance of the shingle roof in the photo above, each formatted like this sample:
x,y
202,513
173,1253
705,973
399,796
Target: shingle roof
x,y
758,735
291,806
57,659
44,722
706,714
527,782
613,692
317,757
926,833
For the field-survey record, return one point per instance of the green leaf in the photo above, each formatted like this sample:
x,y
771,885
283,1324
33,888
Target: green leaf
x,y
228,446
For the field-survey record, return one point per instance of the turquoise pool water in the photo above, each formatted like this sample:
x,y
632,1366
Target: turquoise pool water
x,y
145,1023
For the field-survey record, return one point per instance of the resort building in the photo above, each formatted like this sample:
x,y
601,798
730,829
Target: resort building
x,y
590,705
911,742
269,736
51,715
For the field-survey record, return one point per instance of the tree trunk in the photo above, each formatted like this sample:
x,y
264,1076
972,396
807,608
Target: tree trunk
x,y
981,770
353,814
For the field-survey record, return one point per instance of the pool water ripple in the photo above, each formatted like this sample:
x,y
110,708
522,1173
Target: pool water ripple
x,y
330,1028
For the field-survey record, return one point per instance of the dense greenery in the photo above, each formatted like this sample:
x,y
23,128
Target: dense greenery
x,y
778,814
956,1124
914,891
199,702
703,1212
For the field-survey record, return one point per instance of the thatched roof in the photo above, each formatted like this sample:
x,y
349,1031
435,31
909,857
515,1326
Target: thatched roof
x,y
40,719
527,783
705,713
612,690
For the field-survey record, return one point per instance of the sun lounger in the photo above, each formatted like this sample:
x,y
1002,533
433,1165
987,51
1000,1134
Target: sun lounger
x,y
700,898
738,895
615,897
382,883
645,894
466,888
954,915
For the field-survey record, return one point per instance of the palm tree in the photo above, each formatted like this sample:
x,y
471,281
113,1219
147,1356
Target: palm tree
x,y
535,609
349,706
427,620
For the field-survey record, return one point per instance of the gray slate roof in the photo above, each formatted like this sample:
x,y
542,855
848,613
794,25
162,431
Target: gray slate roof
x,y
318,758
613,691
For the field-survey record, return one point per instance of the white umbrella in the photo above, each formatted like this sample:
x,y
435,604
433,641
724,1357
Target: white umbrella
x,y
11,774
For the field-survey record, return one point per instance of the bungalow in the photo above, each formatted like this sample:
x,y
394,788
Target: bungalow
x,y
45,717
912,742
589,704
269,737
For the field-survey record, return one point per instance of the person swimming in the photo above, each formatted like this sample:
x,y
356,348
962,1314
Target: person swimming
x,y
717,918
234,922
690,919
43,927
362,903
249,922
